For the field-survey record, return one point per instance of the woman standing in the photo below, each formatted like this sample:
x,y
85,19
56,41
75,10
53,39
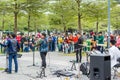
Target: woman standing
x,y
43,48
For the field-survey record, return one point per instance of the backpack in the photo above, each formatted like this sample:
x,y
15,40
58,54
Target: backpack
x,y
14,46
84,68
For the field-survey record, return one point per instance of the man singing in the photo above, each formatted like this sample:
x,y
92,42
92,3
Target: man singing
x,y
78,48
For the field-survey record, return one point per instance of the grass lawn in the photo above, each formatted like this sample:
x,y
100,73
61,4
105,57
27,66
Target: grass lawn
x,y
70,54
2,69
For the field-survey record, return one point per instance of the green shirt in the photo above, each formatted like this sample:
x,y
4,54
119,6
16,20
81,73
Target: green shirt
x,y
95,38
100,39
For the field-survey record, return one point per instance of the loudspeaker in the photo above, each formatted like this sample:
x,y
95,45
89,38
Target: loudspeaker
x,y
100,67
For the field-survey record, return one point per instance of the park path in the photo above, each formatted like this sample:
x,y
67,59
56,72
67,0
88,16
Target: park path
x,y
55,61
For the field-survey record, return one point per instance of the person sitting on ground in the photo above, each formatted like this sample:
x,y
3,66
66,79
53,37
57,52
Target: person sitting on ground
x,y
114,52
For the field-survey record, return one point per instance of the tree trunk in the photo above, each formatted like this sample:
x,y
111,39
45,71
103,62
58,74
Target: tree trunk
x,y
15,23
79,23
79,16
35,27
15,17
65,28
3,22
97,26
29,17
63,23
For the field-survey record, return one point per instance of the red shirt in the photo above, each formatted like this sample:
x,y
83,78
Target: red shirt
x,y
70,39
111,37
75,39
118,42
39,35
66,40
18,38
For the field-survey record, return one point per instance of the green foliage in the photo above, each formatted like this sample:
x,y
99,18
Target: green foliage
x,y
115,17
58,14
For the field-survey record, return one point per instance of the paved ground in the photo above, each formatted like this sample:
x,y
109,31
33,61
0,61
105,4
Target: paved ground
x,y
55,61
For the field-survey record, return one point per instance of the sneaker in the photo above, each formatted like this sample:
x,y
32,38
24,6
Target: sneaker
x,y
9,73
16,72
43,66
6,70
77,62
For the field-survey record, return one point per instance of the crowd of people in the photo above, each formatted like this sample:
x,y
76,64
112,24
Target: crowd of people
x,y
62,42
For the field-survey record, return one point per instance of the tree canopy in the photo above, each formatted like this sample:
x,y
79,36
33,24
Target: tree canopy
x,y
35,15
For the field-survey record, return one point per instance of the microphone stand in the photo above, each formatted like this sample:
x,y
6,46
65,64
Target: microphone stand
x,y
33,50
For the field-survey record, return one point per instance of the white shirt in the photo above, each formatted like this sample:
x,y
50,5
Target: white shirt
x,y
114,52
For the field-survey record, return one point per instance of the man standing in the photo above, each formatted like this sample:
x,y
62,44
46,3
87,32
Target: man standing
x,y
84,37
100,42
53,42
12,48
114,52
78,48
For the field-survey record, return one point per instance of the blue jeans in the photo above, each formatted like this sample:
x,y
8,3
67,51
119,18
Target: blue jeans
x,y
13,56
50,46
53,46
